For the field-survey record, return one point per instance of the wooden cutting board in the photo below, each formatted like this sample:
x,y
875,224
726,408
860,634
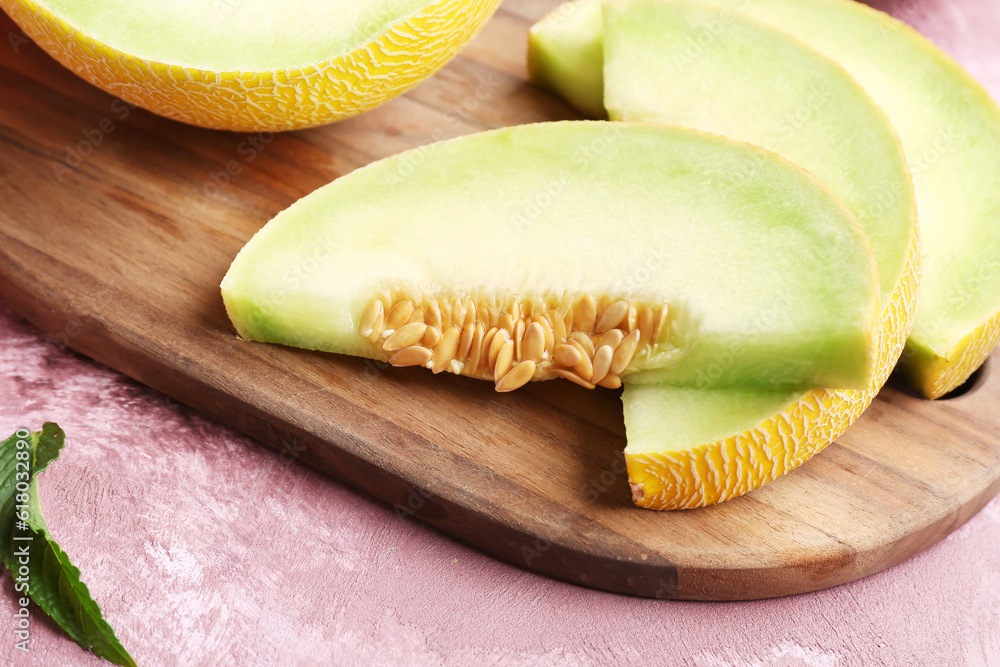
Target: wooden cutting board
x,y
116,227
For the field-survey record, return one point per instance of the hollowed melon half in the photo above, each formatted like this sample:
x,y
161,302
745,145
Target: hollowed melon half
x,y
252,65
950,130
577,249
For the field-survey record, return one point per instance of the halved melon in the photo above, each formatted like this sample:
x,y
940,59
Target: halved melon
x,y
950,130
693,446
252,65
580,250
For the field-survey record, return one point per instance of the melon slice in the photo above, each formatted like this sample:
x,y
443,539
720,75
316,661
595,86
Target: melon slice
x,y
582,250
950,130
693,446
566,55
252,65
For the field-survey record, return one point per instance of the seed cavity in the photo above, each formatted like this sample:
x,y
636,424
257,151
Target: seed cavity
x,y
590,341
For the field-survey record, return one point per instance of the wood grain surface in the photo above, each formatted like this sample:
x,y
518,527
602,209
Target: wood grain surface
x,y
116,227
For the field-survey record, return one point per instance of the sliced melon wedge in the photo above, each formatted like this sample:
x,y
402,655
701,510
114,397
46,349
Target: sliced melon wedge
x,y
252,65
566,55
950,129
694,446
582,250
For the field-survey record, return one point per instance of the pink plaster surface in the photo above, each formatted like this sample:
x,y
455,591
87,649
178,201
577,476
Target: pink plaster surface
x,y
204,548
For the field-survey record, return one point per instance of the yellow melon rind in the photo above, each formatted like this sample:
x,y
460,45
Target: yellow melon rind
x,y
320,93
942,374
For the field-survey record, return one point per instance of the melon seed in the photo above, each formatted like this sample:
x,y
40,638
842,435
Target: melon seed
x,y
624,353
446,349
373,312
585,314
399,314
431,337
533,345
573,377
602,362
516,377
504,361
465,344
405,336
567,355
414,355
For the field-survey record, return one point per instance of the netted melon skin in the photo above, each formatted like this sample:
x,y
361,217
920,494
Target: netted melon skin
x,y
935,375
714,472
278,100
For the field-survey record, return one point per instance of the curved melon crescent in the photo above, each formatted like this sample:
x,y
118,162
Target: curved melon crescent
x,y
695,446
582,250
947,122
335,79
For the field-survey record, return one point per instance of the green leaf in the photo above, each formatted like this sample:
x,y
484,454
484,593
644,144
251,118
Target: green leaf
x,y
48,443
12,470
53,581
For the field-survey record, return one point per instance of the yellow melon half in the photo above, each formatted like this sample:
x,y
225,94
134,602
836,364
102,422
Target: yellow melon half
x,y
322,72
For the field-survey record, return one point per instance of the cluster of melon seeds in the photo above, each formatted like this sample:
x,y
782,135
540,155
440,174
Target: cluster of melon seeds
x,y
588,341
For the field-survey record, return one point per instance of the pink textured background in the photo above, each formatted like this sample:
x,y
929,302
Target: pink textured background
x,y
203,548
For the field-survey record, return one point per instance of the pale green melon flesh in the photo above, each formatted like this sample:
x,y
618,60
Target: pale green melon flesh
x,y
949,127
234,35
662,418
565,55
753,255
806,108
